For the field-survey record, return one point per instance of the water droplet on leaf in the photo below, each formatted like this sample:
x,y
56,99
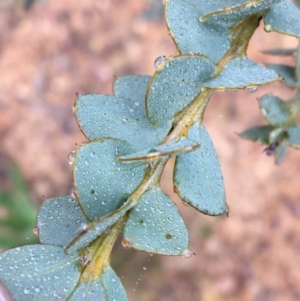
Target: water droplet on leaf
x,y
158,61
187,254
267,28
81,228
252,89
73,193
71,157
35,231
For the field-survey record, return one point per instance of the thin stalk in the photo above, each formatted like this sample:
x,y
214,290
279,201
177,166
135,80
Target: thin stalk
x,y
242,34
99,252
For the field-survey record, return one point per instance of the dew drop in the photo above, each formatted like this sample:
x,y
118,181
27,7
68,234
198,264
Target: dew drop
x,y
252,89
26,291
158,61
35,231
268,28
73,193
125,244
81,228
187,254
71,157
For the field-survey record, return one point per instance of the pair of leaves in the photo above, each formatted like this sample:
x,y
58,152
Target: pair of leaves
x,y
212,37
154,225
180,79
45,272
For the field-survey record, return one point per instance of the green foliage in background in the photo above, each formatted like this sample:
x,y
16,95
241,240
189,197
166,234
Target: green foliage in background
x,y
131,136
17,213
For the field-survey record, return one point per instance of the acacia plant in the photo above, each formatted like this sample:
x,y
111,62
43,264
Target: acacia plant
x,y
131,136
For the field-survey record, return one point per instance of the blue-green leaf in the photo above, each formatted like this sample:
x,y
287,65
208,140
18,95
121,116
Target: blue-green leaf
x,y
112,116
156,226
198,177
274,110
280,153
107,288
114,288
175,84
101,183
39,272
59,220
283,17
173,148
191,35
133,87
294,136
280,51
242,73
97,227
258,134
239,11
287,73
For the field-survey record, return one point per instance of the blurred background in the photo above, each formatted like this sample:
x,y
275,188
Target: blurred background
x,y
53,49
